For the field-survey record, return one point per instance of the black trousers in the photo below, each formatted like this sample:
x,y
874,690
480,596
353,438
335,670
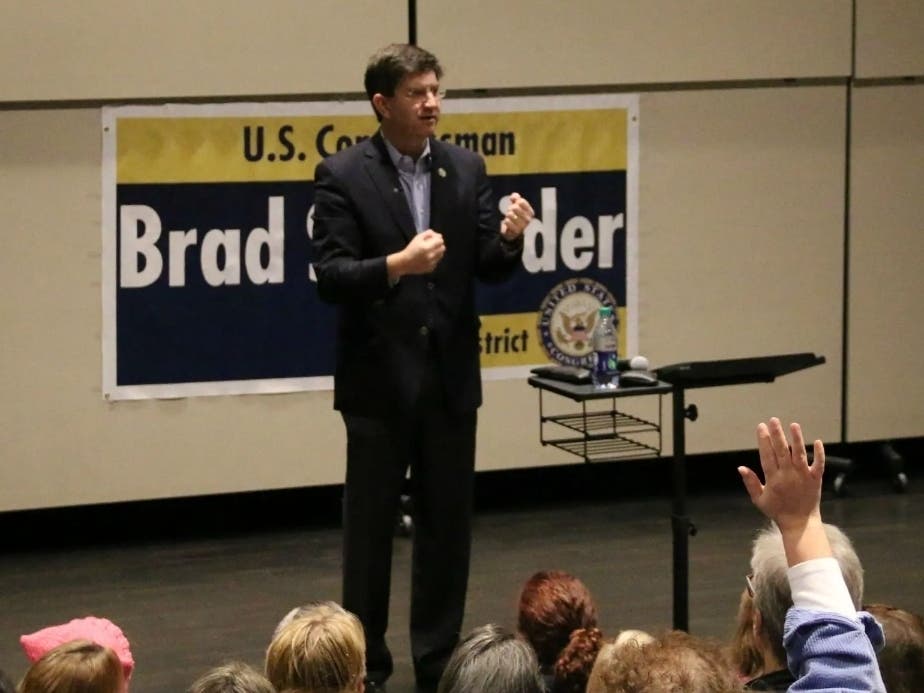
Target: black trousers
x,y
439,448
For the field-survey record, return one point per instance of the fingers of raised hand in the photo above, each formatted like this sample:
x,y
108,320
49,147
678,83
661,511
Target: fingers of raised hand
x,y
779,442
799,456
751,483
818,463
765,448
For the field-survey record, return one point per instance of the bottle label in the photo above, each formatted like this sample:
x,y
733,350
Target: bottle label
x,y
605,366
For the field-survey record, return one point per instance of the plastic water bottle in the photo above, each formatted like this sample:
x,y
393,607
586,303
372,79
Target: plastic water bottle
x,y
605,341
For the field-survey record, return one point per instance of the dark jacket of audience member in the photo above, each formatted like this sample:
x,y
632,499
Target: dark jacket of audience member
x,y
558,618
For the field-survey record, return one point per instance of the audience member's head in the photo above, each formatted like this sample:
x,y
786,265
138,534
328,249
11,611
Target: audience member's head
x,y
770,584
491,659
639,637
610,650
101,631
901,661
322,649
233,677
78,666
743,650
311,608
675,662
558,618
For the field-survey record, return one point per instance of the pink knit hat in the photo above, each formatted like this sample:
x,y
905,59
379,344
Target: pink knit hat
x,y
102,631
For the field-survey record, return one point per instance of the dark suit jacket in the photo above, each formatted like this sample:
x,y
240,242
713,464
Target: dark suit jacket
x,y
360,216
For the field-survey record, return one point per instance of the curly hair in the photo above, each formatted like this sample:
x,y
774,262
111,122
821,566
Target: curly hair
x,y
554,604
676,662
572,668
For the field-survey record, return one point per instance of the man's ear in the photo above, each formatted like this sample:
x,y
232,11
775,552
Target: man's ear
x,y
381,105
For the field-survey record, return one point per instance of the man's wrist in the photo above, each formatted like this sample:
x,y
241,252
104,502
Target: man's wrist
x,y
798,524
512,243
804,540
394,265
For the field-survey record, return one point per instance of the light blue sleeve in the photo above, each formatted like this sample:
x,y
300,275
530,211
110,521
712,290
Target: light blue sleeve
x,y
830,653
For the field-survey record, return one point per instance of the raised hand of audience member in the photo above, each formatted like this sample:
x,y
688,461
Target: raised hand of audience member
x,y
791,492
829,646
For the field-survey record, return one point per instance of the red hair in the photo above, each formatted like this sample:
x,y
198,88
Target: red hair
x,y
553,606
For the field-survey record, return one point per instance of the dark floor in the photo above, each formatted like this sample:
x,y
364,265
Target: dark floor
x,y
196,583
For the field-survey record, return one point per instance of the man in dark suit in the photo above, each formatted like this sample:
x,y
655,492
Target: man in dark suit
x,y
403,226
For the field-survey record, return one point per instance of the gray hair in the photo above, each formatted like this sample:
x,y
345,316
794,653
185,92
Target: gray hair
x,y
772,596
233,677
493,659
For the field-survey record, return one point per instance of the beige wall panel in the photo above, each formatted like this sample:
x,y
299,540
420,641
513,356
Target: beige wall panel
x,y
740,254
62,444
886,296
529,43
740,248
890,38
131,49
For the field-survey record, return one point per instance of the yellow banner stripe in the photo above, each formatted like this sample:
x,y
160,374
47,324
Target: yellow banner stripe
x,y
510,340
543,141
219,149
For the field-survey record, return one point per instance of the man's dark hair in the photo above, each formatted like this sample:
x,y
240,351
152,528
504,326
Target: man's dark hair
x,y
389,65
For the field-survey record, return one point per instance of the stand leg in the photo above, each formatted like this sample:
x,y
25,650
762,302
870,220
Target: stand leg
x,y
680,523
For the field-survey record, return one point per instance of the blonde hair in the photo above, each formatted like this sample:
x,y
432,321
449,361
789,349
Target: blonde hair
x,y
322,650
78,666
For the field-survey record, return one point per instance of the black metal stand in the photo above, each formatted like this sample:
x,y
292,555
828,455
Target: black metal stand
x,y
613,435
681,525
700,374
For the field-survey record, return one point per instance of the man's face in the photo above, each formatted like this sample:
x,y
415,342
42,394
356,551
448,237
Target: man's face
x,y
414,110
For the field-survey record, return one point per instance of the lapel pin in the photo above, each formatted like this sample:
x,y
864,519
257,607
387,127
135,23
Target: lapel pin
x,y
441,172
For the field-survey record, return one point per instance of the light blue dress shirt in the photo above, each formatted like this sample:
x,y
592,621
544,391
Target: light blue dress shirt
x,y
415,181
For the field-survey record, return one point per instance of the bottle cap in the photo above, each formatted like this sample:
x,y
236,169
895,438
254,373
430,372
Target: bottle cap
x,y
606,310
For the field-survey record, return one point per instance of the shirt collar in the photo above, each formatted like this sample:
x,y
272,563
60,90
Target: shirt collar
x,y
405,163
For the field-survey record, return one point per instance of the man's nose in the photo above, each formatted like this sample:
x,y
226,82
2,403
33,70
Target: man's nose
x,y
432,98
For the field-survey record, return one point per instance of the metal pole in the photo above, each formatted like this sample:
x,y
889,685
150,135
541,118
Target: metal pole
x,y
680,523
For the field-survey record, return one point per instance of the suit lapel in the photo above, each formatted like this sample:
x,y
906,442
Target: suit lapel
x,y
385,177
